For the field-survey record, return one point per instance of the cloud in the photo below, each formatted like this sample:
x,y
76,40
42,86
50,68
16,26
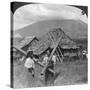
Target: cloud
x,y
29,14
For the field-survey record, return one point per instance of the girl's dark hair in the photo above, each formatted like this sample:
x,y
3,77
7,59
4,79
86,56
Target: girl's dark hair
x,y
36,56
30,54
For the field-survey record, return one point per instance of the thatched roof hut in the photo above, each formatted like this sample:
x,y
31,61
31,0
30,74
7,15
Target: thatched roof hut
x,y
49,40
26,42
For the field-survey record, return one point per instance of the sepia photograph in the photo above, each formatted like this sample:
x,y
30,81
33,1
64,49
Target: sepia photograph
x,y
49,44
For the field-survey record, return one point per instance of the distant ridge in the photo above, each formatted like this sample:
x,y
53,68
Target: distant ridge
x,y
74,28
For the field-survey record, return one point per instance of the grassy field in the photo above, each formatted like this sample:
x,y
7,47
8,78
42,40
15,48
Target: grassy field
x,y
68,73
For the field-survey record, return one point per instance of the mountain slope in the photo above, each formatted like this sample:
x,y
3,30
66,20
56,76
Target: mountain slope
x,y
74,28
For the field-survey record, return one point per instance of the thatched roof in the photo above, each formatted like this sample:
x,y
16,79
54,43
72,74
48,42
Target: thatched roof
x,y
49,40
69,47
25,41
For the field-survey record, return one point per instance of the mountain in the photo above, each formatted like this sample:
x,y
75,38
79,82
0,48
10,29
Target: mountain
x,y
76,29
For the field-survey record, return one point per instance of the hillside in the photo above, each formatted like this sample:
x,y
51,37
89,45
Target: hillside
x,y
73,28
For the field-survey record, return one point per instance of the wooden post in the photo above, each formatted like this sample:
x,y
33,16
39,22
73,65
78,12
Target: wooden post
x,y
52,54
20,50
60,52
60,60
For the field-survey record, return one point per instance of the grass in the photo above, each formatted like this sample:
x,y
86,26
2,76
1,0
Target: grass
x,y
68,73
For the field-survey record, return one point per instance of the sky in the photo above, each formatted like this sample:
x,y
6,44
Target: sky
x,y
32,13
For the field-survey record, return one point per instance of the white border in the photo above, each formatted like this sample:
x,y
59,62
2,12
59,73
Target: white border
x,y
5,43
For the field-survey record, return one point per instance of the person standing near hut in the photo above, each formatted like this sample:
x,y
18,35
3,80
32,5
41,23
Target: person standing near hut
x,y
45,60
29,63
48,74
84,54
54,59
51,66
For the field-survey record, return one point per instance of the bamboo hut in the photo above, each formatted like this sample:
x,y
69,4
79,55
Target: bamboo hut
x,y
50,39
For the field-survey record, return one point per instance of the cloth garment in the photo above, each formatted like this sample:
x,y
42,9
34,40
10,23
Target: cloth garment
x,y
54,59
45,60
29,63
49,76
